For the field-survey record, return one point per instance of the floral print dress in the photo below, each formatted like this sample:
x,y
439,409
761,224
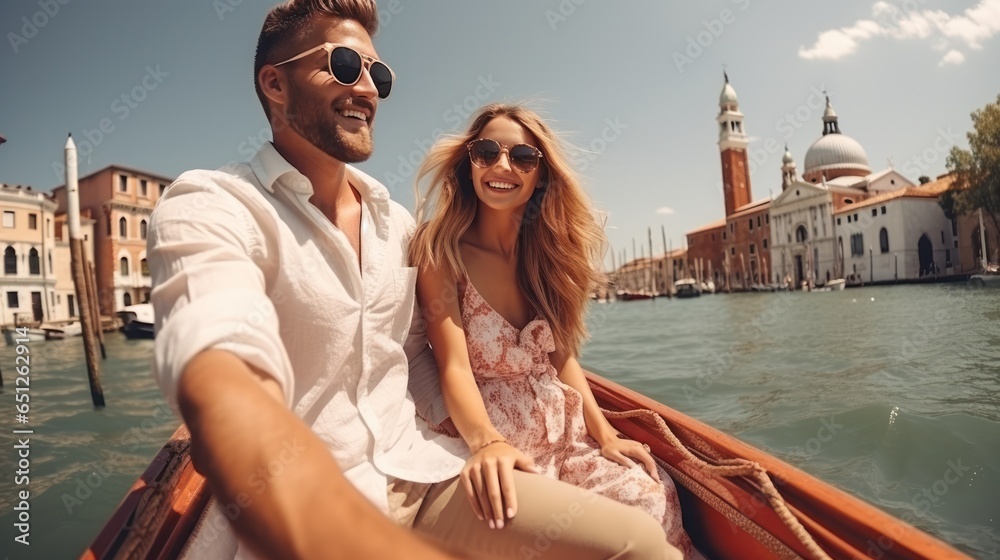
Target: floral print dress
x,y
543,417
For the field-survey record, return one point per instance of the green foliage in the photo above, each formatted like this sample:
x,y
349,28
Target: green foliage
x,y
977,170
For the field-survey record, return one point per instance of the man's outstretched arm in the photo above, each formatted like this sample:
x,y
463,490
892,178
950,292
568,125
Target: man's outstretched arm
x,y
239,426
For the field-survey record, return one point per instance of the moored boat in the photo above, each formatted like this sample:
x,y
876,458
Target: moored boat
x,y
137,320
687,288
14,334
726,516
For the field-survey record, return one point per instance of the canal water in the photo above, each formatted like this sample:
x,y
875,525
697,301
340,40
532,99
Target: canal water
x,y
890,393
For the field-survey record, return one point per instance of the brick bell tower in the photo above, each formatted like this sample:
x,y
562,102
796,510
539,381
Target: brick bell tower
x,y
733,144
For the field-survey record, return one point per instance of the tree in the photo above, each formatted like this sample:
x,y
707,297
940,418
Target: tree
x,y
977,170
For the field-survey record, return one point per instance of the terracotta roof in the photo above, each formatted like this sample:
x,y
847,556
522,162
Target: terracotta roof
x,y
711,225
930,190
751,208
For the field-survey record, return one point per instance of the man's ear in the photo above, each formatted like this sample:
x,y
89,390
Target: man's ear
x,y
273,85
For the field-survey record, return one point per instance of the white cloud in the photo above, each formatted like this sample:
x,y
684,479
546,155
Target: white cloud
x,y
666,211
952,57
968,29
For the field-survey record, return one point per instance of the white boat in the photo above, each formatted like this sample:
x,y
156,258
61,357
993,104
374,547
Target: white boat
x,y
15,335
836,285
687,288
137,320
989,278
63,331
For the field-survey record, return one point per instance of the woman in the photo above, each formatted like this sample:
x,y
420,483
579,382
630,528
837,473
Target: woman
x,y
506,260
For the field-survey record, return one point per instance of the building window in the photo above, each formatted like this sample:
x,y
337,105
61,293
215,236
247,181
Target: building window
x,y
8,218
883,240
848,201
857,245
162,188
947,258
883,210
753,249
123,266
874,212
838,221
10,261
50,262
801,235
127,299
143,187
765,243
123,228
32,221
855,217
732,251
34,265
122,183
144,267
758,221
848,218
767,218
71,304
751,224
954,228
12,300
713,237
142,229
723,235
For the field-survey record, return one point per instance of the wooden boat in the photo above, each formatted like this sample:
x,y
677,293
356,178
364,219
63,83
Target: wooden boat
x,y
726,517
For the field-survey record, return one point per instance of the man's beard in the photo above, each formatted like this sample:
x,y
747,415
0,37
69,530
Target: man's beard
x,y
318,125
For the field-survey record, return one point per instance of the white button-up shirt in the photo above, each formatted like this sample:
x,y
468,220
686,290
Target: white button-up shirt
x,y
243,262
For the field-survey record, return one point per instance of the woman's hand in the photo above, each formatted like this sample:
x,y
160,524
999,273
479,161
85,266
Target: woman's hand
x,y
489,482
619,450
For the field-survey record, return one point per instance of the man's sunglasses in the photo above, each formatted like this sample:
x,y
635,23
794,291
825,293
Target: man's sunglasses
x,y
346,65
485,152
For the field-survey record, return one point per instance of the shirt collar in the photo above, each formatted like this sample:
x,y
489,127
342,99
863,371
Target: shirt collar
x,y
270,167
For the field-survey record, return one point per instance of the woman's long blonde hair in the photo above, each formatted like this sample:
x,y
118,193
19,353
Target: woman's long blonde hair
x,y
559,243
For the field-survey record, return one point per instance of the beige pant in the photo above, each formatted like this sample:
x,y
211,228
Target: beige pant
x,y
554,521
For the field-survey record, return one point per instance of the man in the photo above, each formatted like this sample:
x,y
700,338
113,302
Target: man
x,y
283,307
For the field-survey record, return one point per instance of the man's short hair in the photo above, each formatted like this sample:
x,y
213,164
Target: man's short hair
x,y
286,22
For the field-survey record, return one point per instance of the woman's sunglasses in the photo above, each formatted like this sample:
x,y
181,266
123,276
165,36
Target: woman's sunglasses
x,y
485,152
346,65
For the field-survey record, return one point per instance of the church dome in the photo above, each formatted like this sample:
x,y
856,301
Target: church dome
x,y
728,95
836,151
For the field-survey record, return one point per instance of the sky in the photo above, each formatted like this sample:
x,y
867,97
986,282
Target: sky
x,y
632,87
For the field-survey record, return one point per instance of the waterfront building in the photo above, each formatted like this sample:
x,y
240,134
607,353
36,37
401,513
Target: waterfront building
x,y
740,250
27,241
704,252
898,235
656,274
120,200
806,241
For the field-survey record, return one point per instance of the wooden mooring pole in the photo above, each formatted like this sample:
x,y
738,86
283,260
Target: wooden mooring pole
x,y
77,259
95,304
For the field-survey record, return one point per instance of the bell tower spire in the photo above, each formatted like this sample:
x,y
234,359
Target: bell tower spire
x,y
733,142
